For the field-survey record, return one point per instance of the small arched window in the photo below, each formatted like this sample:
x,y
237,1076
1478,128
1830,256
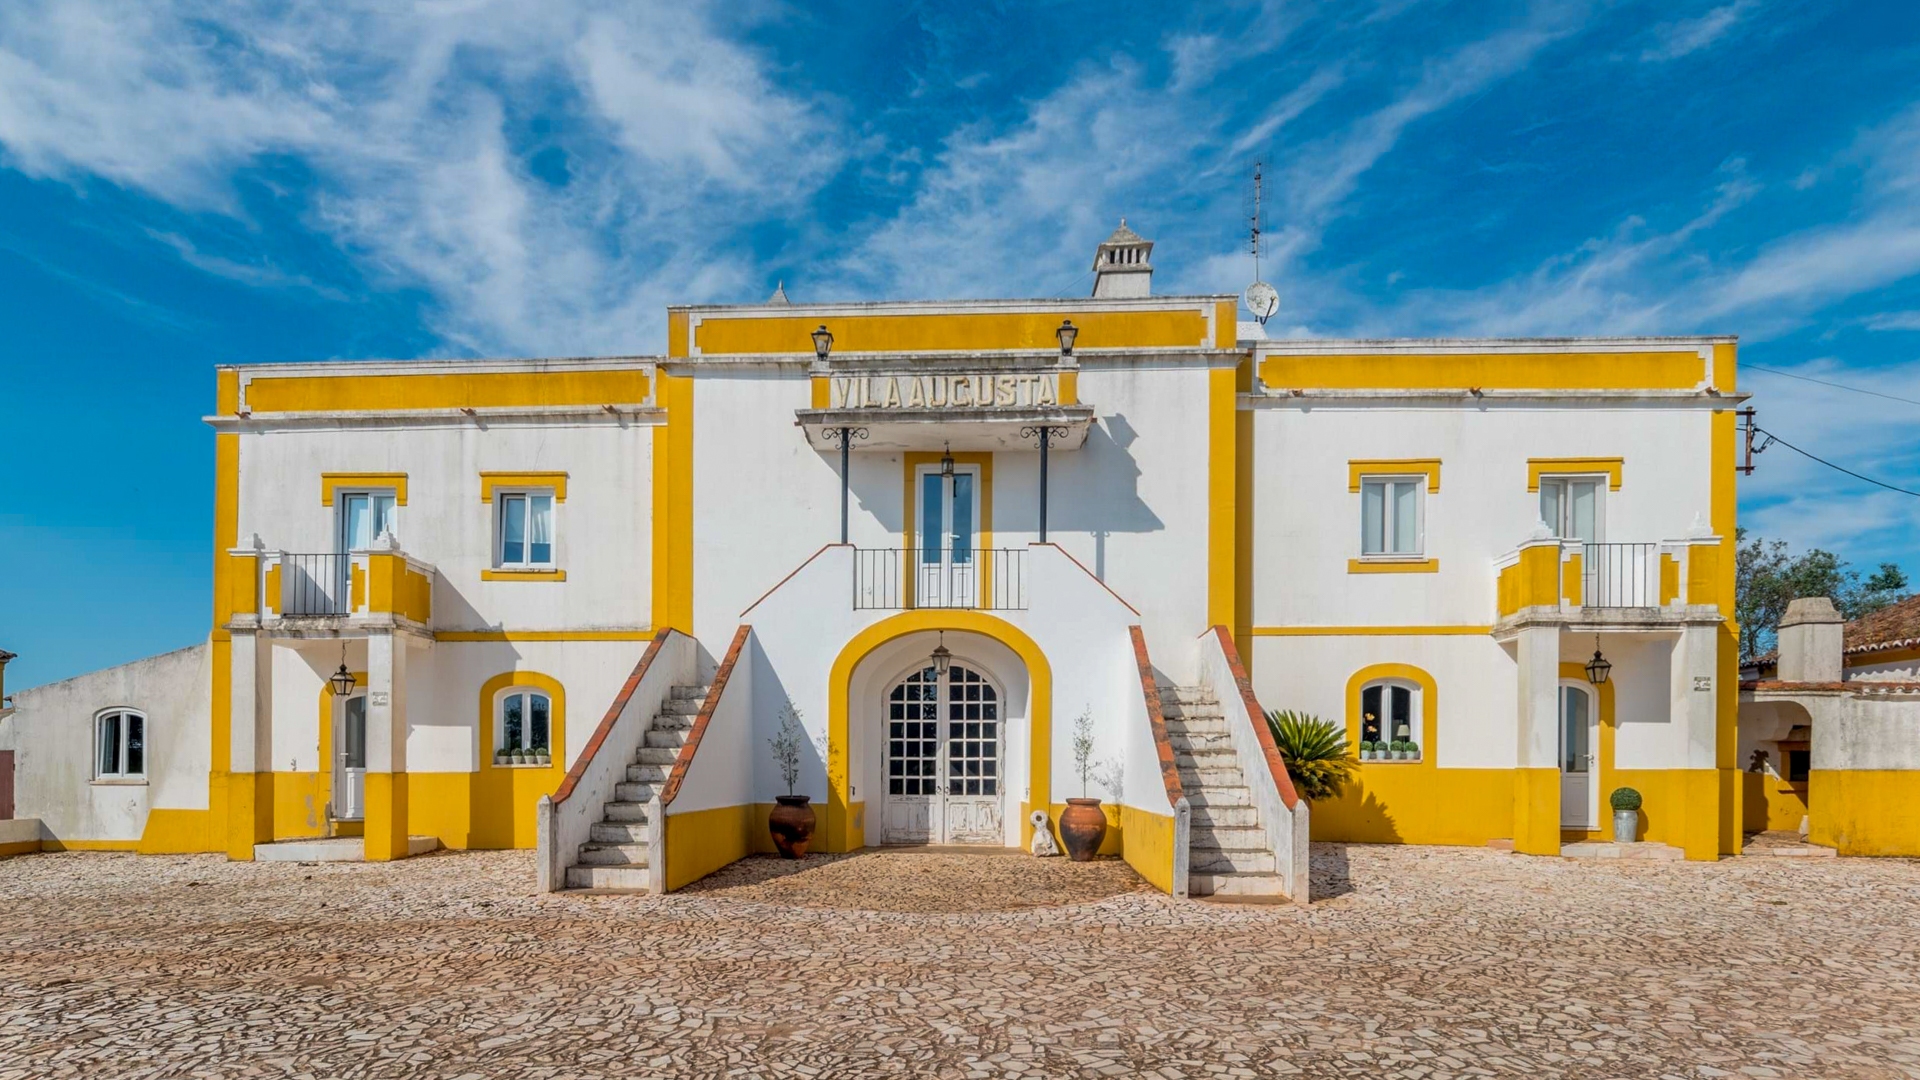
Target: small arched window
x,y
525,721
1390,716
120,745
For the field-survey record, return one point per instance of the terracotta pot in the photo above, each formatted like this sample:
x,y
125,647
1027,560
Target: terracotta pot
x,y
1082,826
791,824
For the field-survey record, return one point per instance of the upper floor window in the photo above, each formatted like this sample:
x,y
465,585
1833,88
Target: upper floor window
x,y
525,722
364,515
523,529
1573,506
1391,515
120,745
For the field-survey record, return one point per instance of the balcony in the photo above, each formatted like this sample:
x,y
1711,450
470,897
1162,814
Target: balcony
x,y
1571,581
902,579
326,592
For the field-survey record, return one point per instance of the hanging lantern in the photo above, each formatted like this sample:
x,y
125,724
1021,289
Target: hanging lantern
x,y
946,462
342,682
1598,668
942,657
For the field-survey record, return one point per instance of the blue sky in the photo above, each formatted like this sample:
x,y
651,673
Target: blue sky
x,y
189,184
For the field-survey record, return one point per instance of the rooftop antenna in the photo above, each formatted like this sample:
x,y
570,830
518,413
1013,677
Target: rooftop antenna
x,y
1261,297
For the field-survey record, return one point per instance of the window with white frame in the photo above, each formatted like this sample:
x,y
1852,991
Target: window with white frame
x,y
1573,507
523,530
1390,727
1391,516
120,745
525,722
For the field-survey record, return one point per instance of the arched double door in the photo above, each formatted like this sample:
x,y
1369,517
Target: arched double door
x,y
944,740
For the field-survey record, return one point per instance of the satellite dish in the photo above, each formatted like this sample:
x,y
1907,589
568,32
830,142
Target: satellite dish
x,y
1263,301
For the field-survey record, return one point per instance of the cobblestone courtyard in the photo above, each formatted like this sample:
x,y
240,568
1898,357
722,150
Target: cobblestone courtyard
x,y
1423,962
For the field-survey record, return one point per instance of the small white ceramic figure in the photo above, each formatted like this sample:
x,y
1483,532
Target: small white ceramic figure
x,y
1043,844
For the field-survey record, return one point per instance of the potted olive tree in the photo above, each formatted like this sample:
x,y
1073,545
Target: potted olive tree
x,y
1626,815
1083,825
792,820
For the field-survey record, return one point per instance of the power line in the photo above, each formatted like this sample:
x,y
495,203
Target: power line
x,y
1835,385
1772,438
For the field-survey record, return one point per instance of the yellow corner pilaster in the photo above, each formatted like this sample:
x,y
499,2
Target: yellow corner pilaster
x,y
386,817
1222,495
673,504
1536,811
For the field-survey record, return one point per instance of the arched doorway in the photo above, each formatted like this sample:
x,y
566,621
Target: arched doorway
x,y
944,737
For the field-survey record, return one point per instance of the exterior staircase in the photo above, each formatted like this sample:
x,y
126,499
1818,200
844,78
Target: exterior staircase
x,y
615,854
1230,853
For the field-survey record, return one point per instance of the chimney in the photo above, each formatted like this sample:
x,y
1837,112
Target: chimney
x,y
1120,266
1810,642
4,657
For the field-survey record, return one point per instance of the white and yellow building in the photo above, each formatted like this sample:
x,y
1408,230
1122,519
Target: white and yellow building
x,y
639,564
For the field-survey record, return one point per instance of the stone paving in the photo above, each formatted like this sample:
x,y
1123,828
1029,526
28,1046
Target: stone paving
x,y
1421,962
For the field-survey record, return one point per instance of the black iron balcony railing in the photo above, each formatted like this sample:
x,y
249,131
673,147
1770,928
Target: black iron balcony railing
x,y
896,579
315,584
1620,575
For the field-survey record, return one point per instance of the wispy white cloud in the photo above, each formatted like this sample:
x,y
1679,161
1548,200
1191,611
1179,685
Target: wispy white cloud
x,y
1687,36
1895,320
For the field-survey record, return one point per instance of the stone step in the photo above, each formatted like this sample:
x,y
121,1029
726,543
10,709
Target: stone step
x,y
1206,758
1216,861
687,707
1192,695
1190,739
1214,817
1217,795
656,755
618,832
1174,710
1191,776
613,854
668,738
646,773
1199,884
631,812
688,693
1230,838
636,791
618,878
664,722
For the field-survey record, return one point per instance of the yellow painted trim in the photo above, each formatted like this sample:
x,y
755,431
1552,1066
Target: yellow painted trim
x,y
1604,774
1724,515
1536,811
1865,811
702,841
273,589
20,847
384,832
1429,711
1572,584
356,587
489,481
170,831
1575,466
219,822
910,463
1226,328
642,634
357,481
1070,388
937,331
1669,578
245,582
1672,370
467,390
673,504
836,832
1146,842
326,718
1223,490
1703,574
249,813
397,588
1885,656
1369,631
1385,467
821,391
523,575
90,845
1396,566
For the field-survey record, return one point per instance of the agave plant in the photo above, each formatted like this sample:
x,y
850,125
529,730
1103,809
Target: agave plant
x,y
1315,752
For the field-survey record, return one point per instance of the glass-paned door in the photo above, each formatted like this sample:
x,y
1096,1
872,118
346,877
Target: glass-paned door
x,y
363,515
1578,784
350,759
943,759
947,570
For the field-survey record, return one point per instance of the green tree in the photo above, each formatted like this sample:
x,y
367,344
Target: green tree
x,y
1767,577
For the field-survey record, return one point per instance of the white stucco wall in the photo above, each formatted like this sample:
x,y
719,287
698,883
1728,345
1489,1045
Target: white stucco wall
x,y
51,732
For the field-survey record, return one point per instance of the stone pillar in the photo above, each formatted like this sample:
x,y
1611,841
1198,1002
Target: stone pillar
x,y
386,813
1693,704
249,773
1536,775
1811,641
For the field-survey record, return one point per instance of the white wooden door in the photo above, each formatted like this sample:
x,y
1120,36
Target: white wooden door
x,y
1577,779
350,760
943,759
947,571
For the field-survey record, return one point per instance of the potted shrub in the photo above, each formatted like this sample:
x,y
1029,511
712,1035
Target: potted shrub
x,y
501,757
1626,815
1366,749
792,820
1315,753
1083,825
1413,751
542,757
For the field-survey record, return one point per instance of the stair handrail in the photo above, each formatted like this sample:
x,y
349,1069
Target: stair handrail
x,y
684,760
600,734
1169,767
1276,764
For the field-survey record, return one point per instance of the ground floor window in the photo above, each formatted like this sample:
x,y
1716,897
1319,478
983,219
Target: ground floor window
x,y
120,741
525,722
1387,710
1799,763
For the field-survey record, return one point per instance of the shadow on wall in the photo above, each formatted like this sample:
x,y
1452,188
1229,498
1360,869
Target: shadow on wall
x,y
1357,816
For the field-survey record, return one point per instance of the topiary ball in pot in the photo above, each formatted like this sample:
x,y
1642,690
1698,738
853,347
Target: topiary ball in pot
x,y
1624,798
1626,815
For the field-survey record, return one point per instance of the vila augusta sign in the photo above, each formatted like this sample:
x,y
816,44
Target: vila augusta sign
x,y
946,391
